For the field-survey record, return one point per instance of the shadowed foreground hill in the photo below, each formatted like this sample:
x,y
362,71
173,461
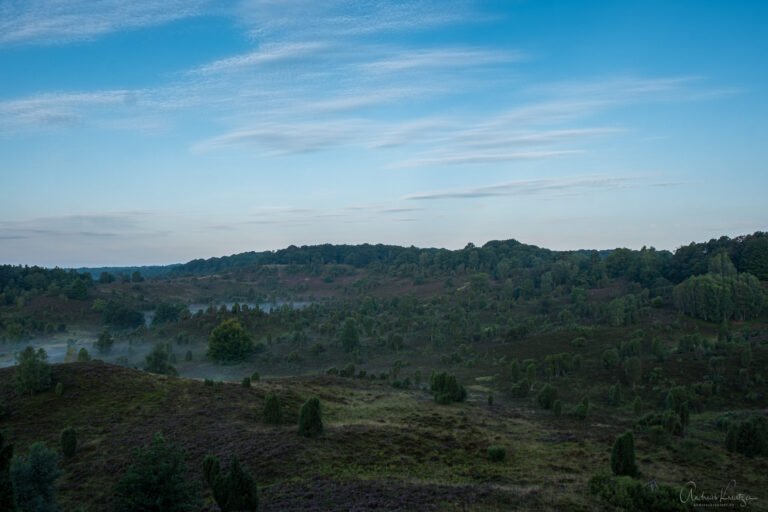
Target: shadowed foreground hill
x,y
382,448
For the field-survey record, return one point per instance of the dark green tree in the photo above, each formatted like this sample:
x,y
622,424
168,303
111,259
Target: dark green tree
x,y
104,343
446,389
235,490
34,479
272,410
546,397
350,340
69,442
754,258
623,455
615,396
168,313
78,290
157,481
497,453
310,418
158,361
33,373
83,355
229,342
211,469
748,437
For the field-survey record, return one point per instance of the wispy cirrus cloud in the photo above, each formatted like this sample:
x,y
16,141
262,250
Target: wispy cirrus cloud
x,y
292,19
83,225
285,138
529,187
266,54
57,21
321,76
426,59
483,157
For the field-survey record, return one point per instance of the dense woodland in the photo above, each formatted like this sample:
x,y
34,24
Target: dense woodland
x,y
667,349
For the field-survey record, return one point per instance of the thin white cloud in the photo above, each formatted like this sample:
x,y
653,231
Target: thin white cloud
x,y
291,19
483,157
83,225
428,59
284,138
60,21
528,187
267,54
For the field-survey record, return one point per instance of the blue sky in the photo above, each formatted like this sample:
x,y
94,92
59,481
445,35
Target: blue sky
x,y
157,131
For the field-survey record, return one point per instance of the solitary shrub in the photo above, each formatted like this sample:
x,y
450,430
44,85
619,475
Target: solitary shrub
x,y
235,490
188,356
159,361
347,371
83,355
208,382
229,342
520,389
68,442
748,437
627,493
546,397
104,342
59,389
614,395
272,411
623,455
611,358
32,372
446,389
497,453
310,418
34,479
668,420
157,481
211,469
557,407
255,377
246,383
581,410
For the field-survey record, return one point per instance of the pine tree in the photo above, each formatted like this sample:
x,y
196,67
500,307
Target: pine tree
x,y
235,490
211,469
623,455
33,373
310,418
272,411
69,442
157,481
34,479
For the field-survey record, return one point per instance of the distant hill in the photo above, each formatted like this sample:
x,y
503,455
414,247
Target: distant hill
x,y
749,253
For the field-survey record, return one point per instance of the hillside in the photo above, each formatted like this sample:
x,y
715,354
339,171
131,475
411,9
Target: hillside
x,y
559,353
382,449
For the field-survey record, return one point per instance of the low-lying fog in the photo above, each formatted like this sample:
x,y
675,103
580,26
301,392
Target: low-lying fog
x,y
64,347
267,307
